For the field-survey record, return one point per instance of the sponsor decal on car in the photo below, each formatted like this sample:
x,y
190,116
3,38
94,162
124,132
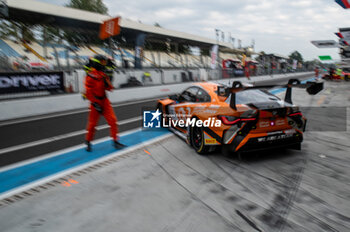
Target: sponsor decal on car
x,y
210,141
274,137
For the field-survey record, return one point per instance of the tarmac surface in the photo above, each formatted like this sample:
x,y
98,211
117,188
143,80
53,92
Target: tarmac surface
x,y
166,186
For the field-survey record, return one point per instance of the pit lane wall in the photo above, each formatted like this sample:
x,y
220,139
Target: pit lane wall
x,y
21,108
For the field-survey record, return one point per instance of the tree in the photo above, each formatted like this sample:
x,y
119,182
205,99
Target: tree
x,y
296,56
96,6
24,32
157,24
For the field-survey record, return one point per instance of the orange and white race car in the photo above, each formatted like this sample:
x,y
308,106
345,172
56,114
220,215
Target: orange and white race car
x,y
238,118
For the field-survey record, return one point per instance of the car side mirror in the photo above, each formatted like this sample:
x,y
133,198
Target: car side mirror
x,y
223,91
315,88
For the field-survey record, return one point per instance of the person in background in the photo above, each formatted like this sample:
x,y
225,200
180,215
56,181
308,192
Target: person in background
x,y
97,83
247,71
317,73
339,72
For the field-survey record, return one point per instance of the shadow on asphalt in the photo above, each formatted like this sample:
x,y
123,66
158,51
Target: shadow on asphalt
x,y
259,156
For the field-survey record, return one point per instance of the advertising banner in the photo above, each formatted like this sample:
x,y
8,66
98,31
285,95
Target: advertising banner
x,y
325,58
295,63
21,82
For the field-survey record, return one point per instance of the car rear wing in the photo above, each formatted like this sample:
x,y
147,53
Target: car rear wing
x,y
312,88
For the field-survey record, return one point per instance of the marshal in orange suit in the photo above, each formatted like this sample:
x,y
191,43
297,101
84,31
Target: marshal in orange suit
x,y
96,85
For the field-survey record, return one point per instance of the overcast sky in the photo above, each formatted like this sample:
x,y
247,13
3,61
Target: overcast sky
x,y
278,26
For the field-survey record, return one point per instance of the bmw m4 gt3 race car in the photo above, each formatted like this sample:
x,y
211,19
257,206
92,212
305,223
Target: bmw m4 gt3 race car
x,y
238,118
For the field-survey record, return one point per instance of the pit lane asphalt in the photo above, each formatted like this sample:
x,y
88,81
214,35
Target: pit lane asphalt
x,y
16,134
171,188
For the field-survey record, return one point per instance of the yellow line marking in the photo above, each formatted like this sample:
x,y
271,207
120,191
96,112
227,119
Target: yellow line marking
x,y
33,51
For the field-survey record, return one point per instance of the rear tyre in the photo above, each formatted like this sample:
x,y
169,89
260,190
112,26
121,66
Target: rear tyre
x,y
197,140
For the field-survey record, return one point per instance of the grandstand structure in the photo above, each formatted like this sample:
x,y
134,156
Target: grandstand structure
x,y
163,48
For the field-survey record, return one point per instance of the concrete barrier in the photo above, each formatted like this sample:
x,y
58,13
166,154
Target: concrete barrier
x,y
171,76
20,108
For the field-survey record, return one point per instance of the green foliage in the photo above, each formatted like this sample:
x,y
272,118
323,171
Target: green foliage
x,y
296,56
96,6
16,30
205,52
52,34
21,31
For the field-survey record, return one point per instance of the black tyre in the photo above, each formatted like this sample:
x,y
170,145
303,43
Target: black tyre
x,y
197,140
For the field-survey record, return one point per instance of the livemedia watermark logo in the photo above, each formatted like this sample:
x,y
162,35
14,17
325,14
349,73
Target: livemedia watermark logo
x,y
153,119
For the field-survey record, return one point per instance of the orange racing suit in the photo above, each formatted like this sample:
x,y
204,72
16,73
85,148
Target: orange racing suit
x,y
96,84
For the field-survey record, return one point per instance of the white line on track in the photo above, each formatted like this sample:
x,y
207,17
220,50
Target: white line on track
x,y
63,136
72,170
35,118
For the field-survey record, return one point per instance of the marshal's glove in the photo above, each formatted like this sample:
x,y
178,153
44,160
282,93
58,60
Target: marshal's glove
x,y
97,107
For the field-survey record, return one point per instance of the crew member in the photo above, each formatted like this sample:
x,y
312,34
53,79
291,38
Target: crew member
x,y
96,85
317,73
247,71
87,68
338,72
109,69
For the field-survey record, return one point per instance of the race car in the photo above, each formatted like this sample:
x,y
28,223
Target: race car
x,y
241,118
333,77
338,75
346,74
